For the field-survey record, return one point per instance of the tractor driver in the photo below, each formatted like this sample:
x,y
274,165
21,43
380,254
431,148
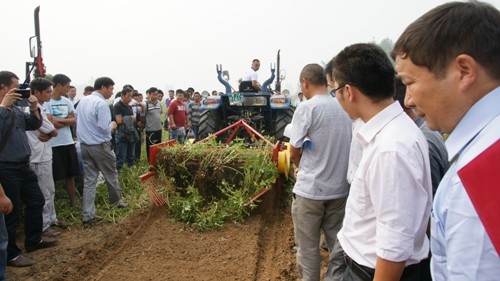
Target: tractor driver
x,y
249,82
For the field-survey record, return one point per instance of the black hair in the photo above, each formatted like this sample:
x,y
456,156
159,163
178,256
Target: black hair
x,y
6,77
60,79
367,67
101,82
40,84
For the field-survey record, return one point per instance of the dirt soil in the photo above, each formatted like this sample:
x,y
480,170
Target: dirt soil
x,y
151,246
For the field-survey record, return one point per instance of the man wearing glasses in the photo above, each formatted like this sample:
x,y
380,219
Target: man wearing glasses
x,y
387,211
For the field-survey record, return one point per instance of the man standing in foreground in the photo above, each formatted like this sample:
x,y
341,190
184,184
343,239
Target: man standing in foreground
x,y
387,212
449,59
94,133
320,140
17,179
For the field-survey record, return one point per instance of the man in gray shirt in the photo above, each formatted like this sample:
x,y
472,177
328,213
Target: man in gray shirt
x,y
320,141
152,115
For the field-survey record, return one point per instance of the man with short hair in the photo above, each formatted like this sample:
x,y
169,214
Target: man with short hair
x,y
138,110
61,112
94,133
126,134
87,91
449,60
19,182
178,118
320,140
152,116
72,94
250,82
387,211
195,111
41,154
300,98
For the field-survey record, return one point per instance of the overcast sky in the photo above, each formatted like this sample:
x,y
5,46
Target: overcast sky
x,y
174,44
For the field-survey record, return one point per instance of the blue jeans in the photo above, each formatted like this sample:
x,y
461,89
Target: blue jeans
x,y
4,241
125,152
178,134
195,128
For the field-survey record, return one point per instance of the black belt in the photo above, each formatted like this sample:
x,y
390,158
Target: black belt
x,y
367,273
363,272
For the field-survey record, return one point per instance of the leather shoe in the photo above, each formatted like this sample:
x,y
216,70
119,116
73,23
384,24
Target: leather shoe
x,y
46,242
121,204
20,261
50,232
96,220
60,224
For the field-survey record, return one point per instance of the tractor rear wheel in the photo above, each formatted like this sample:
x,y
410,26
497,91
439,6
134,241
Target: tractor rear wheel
x,y
209,123
283,118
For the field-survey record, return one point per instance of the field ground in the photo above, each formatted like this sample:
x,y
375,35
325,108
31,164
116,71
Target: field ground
x,y
150,246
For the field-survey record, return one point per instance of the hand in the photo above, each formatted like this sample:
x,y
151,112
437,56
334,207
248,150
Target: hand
x,y
33,103
113,125
10,98
172,126
5,205
295,171
44,137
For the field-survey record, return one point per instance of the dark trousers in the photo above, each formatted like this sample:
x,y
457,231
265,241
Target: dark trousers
x,y
153,137
20,184
138,144
4,241
357,272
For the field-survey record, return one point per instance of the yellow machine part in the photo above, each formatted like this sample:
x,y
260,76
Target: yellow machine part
x,y
284,161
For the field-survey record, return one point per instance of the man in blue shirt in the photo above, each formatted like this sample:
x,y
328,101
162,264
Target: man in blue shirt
x,y
94,133
449,59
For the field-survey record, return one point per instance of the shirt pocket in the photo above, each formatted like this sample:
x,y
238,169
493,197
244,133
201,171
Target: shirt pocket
x,y
358,196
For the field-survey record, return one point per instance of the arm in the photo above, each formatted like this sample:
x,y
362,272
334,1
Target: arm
x,y
256,85
170,112
171,123
401,203
119,119
388,270
295,157
5,203
46,137
63,122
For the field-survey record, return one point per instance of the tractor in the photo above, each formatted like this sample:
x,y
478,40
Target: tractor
x,y
266,113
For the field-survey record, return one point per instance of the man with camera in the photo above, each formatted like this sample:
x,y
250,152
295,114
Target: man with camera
x,y
18,180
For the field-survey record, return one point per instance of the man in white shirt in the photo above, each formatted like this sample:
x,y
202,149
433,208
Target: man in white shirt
x,y
61,112
388,208
249,82
41,155
450,61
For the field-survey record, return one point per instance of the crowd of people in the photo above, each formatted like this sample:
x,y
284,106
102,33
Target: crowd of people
x,y
373,173
39,142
